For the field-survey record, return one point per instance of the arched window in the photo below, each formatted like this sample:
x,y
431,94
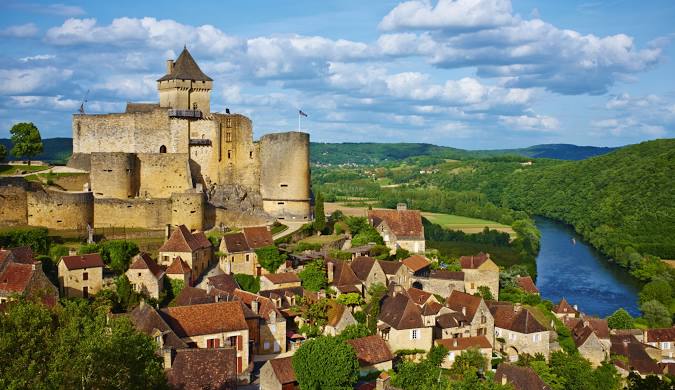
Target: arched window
x,y
162,149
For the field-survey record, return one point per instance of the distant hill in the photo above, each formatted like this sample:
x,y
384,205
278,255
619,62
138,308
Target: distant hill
x,y
377,153
56,150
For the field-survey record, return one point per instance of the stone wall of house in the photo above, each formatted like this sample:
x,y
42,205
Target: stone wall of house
x,y
237,263
72,182
475,278
268,379
413,246
161,174
144,281
60,210
483,324
594,350
201,342
401,339
140,213
72,282
13,206
272,334
518,343
442,287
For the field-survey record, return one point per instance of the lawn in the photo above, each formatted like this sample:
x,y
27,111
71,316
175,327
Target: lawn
x,y
320,239
17,169
465,224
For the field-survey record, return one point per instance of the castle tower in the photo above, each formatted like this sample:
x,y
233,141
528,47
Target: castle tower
x,y
185,86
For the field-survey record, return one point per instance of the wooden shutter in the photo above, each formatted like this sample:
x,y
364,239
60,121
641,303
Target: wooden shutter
x,y
239,343
239,367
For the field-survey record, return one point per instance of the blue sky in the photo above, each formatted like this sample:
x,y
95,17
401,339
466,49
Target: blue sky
x,y
465,73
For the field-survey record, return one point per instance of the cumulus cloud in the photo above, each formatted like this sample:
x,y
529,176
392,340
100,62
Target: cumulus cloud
x,y
27,30
648,115
38,57
25,81
531,122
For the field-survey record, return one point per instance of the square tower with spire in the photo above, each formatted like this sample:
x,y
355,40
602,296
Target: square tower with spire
x,y
185,86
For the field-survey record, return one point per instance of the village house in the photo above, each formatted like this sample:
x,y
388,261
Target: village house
x,y
520,378
145,276
373,354
457,346
527,284
342,278
258,236
179,270
22,276
278,374
400,323
193,248
517,331
480,270
80,275
430,311
197,369
147,320
395,272
280,280
629,354
193,296
564,309
212,325
270,335
369,271
450,325
339,317
662,338
440,282
238,257
589,344
475,312
400,228
416,265
222,284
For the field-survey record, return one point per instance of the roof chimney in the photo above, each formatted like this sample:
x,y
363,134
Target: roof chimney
x,y
397,289
72,252
254,306
454,343
401,206
464,310
504,380
169,66
168,355
330,269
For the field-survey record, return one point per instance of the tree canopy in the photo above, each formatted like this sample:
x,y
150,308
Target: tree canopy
x,y
313,276
26,140
319,213
620,319
325,363
270,258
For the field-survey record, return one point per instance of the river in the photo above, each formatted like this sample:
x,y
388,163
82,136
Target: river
x,y
579,273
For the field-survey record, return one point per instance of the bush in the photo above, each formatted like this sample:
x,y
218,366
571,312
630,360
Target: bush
x,y
37,238
248,282
270,258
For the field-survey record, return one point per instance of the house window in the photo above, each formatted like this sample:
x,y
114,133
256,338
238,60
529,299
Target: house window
x,y
266,345
228,122
473,285
250,154
228,136
229,154
665,345
536,337
451,356
483,319
85,275
496,332
512,336
247,258
162,149
85,292
139,274
212,343
414,334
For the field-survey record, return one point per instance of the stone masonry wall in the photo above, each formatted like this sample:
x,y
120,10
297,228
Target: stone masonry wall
x,y
162,174
13,207
141,213
60,210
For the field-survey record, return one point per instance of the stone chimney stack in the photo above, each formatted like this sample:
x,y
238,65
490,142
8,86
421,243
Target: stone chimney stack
x,y
504,380
330,268
72,252
397,289
255,306
168,355
464,310
382,381
401,207
169,66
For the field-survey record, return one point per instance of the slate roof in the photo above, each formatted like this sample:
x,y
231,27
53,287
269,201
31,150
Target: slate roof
x,y
390,267
458,300
416,262
564,308
405,224
15,277
204,368
92,260
178,267
473,262
186,68
284,277
371,350
527,284
630,347
235,243
209,318
400,312
144,261
362,266
223,282
660,334
462,343
521,378
283,370
258,236
146,319
182,240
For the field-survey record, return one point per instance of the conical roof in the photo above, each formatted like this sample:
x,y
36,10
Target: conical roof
x,y
186,68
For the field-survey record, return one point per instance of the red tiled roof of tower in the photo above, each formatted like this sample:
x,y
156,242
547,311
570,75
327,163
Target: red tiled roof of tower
x,y
186,68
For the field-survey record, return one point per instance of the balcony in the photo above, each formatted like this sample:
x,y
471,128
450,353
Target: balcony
x,y
193,114
200,142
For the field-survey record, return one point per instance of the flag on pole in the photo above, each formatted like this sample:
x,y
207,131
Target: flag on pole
x,y
302,113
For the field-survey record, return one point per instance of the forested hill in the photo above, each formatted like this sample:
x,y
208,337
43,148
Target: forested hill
x,y
56,150
378,153
621,201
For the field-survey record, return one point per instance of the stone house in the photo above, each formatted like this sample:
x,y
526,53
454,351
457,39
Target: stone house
x,y
589,344
476,313
147,320
339,317
520,378
280,280
480,270
400,228
369,271
662,338
193,248
258,236
80,275
417,265
420,297
401,325
270,337
22,276
222,284
179,270
342,278
517,331
212,325
373,354
527,284
238,257
197,369
395,272
451,325
441,282
278,374
145,276
563,309
635,355
457,346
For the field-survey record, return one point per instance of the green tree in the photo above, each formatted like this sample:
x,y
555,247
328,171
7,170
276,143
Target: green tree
x,y
471,360
650,382
352,300
485,293
325,363
35,237
620,319
576,371
319,213
354,331
118,253
546,374
313,276
657,289
270,258
376,292
606,377
128,298
3,153
656,314
247,282
26,140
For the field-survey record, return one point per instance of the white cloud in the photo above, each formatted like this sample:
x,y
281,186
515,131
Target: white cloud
x,y
27,30
38,57
24,81
41,102
648,115
531,122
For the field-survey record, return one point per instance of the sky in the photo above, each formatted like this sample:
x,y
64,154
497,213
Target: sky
x,y
473,74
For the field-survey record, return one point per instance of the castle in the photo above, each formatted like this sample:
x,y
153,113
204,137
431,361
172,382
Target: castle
x,y
174,162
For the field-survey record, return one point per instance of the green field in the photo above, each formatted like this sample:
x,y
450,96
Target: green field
x,y
465,224
17,169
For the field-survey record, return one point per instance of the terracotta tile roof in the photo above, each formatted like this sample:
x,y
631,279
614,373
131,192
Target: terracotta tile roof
x,y
405,224
459,300
473,262
450,320
390,267
283,370
564,308
223,282
235,243
15,277
527,284
580,334
638,358
193,296
186,68
265,305
418,296
400,312
521,378
92,260
335,313
284,277
202,240
182,240
362,266
343,274
462,343
431,308
22,254
521,321
178,267
503,315
446,275
205,319
5,256
571,322
258,236
660,334
144,261
204,368
148,320
416,262
371,350
599,326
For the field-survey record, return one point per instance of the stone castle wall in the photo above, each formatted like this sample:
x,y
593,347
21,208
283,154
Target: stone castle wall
x,y
114,175
188,209
13,206
161,174
140,213
60,210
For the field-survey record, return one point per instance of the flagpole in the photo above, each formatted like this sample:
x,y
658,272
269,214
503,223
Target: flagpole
x,y
298,120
